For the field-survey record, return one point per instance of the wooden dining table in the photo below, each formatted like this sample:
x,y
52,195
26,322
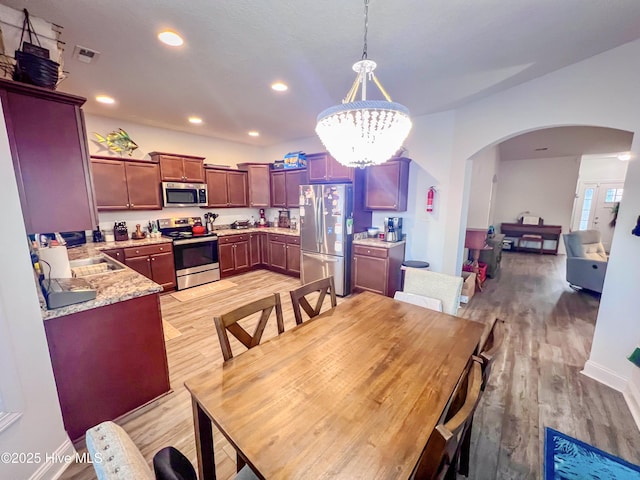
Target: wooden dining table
x,y
353,393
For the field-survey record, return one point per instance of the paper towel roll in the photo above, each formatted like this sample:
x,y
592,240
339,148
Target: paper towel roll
x,y
58,259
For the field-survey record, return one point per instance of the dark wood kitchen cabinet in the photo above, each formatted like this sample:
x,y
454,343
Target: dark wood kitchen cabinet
x,y
258,182
107,361
284,254
233,254
48,143
126,184
117,253
226,188
323,168
285,187
258,253
179,168
155,262
386,185
377,269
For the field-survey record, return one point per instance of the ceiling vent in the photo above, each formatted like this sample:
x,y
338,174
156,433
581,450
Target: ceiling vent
x,y
84,54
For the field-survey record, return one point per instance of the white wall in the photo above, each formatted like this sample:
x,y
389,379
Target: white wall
x,y
543,186
602,169
482,191
29,387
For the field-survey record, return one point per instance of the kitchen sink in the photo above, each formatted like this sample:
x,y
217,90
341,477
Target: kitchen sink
x,y
94,266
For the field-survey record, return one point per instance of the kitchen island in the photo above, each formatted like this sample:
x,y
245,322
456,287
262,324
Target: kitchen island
x,y
108,355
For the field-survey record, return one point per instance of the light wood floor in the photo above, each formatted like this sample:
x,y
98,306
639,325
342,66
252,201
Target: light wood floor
x,y
535,381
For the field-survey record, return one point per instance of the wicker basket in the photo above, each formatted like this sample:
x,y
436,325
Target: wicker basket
x,y
36,70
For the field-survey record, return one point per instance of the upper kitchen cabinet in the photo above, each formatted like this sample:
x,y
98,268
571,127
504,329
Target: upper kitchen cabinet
x,y
48,144
323,168
258,180
179,168
285,187
226,188
126,184
386,185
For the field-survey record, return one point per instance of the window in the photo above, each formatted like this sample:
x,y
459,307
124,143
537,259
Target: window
x,y
613,195
586,208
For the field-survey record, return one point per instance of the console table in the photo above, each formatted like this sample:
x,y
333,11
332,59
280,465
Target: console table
x,y
548,232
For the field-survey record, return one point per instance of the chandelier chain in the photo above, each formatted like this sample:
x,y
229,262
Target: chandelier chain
x,y
366,28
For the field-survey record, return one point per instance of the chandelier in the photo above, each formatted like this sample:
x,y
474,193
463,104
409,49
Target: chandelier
x,y
364,132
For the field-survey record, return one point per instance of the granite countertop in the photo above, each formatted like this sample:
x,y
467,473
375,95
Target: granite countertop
x,y
110,287
376,242
93,249
281,231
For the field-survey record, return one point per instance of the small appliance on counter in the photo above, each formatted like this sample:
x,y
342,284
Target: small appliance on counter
x,y
120,231
97,235
393,229
262,222
240,224
284,220
60,292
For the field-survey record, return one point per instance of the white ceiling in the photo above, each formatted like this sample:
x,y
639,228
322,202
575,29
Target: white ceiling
x,y
432,55
565,142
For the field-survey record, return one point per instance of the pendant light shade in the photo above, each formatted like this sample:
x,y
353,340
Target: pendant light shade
x,y
365,132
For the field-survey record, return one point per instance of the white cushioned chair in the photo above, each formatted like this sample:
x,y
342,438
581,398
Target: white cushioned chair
x,y
440,286
586,259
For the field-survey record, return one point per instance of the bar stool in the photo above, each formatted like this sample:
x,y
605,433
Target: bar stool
x,y
533,239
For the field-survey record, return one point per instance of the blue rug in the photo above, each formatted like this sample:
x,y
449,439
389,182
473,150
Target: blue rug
x,y
566,458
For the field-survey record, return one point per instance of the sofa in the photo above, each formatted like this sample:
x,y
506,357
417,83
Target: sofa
x,y
586,259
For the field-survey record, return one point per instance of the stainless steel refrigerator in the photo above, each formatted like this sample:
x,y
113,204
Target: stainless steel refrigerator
x,y
326,231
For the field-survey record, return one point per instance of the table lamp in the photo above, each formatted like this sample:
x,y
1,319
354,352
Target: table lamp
x,y
475,240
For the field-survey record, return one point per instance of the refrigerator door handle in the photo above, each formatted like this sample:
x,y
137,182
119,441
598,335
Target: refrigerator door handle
x,y
319,221
324,258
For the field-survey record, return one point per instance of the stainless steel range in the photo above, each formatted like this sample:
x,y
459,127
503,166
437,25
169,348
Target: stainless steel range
x,y
195,255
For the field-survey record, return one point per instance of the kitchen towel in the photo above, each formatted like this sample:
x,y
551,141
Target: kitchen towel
x,y
57,262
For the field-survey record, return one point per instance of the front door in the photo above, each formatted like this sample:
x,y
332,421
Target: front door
x,y
596,205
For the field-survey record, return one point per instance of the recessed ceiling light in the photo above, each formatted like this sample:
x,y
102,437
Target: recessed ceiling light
x,y
253,133
170,38
624,156
105,99
279,87
196,120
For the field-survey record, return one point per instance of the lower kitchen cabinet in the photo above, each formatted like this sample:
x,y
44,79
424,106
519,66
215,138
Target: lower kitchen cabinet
x,y
377,269
284,254
117,253
154,262
233,254
107,361
258,252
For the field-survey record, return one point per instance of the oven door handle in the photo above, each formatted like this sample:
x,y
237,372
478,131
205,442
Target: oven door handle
x,y
188,241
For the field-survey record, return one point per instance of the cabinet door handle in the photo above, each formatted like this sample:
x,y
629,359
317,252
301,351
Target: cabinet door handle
x,y
132,205
161,249
153,258
148,259
128,205
137,251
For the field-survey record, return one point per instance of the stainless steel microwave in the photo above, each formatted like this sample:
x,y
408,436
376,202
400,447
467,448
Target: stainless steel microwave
x,y
175,194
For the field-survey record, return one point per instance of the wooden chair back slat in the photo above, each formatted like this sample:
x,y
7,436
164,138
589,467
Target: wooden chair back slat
x,y
300,302
440,456
229,322
490,348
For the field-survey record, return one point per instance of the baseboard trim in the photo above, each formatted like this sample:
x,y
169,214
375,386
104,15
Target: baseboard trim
x,y
55,465
632,396
604,375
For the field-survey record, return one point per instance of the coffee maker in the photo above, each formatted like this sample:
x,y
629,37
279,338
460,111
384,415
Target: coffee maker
x,y
393,229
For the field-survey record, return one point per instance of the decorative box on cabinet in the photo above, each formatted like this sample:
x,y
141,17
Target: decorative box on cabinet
x,y
126,184
258,183
154,262
48,143
323,168
226,188
179,168
386,185
377,269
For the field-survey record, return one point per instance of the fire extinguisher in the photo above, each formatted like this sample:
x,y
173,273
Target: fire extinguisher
x,y
430,195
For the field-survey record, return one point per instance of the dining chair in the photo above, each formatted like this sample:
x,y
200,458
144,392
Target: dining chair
x,y
300,302
441,286
419,300
229,321
489,348
440,457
